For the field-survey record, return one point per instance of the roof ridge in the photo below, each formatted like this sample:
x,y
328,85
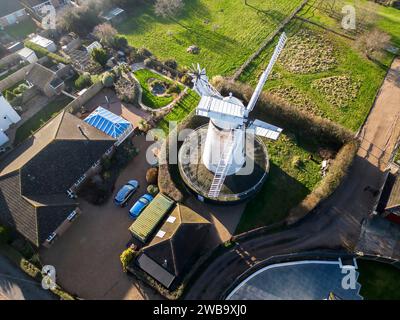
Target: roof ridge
x,y
59,124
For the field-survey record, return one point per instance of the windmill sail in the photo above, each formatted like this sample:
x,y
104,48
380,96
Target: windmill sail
x,y
201,84
266,130
266,73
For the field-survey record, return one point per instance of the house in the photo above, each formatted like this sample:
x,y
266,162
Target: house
x,y
8,116
27,55
44,43
70,42
176,246
36,6
389,201
38,179
115,15
11,12
92,46
45,80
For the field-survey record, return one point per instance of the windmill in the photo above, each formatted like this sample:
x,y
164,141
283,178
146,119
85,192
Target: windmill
x,y
224,150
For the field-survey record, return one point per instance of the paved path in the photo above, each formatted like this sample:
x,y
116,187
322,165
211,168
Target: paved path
x,y
16,285
336,224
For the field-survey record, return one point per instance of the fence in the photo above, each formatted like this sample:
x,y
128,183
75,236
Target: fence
x,y
268,41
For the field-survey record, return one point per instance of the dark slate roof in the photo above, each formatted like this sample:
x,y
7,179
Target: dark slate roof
x,y
183,239
394,199
9,6
35,176
390,196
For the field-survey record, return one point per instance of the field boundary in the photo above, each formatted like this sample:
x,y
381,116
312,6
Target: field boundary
x,y
267,41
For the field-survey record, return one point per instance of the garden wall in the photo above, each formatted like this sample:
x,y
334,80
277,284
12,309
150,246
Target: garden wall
x,y
74,105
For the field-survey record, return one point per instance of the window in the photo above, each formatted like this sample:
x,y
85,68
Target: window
x,y
72,216
51,237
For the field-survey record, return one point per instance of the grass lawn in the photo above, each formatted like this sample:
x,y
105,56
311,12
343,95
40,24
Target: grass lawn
x,y
379,281
21,30
226,31
148,98
180,111
291,178
348,62
40,118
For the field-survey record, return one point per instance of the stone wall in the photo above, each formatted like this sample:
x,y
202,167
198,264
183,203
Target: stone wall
x,y
74,106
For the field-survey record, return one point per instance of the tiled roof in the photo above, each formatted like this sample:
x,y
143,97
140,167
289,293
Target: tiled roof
x,y
183,235
35,176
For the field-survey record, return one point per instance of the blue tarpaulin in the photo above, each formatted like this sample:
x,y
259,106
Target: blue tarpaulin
x,y
108,122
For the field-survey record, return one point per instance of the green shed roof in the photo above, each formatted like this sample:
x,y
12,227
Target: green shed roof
x,y
145,224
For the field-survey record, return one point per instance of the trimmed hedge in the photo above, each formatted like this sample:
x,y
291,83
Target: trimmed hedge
x,y
280,113
43,52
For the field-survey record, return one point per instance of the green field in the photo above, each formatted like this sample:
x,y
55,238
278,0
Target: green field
x,y
293,175
349,62
378,281
148,98
40,118
226,31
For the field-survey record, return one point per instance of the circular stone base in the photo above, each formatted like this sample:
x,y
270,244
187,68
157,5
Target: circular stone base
x,y
240,186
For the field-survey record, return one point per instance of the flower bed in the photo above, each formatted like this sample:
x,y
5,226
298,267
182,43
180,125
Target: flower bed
x,y
340,91
307,52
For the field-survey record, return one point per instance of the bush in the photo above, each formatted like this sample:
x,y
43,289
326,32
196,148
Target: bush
x,y
120,42
43,52
100,56
153,189
83,81
9,95
108,79
126,257
152,176
145,53
5,235
171,63
174,89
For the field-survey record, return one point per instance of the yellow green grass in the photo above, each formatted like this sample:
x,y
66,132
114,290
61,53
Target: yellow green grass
x,y
226,31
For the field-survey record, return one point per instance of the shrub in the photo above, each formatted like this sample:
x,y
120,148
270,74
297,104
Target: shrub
x,y
120,42
144,52
152,176
127,91
171,63
43,52
9,95
83,81
126,257
174,89
153,189
5,235
100,56
108,79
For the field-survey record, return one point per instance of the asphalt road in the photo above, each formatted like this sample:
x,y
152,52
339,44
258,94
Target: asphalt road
x,y
16,285
336,224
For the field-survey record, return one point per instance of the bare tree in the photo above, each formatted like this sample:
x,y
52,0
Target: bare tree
x,y
373,43
168,8
105,32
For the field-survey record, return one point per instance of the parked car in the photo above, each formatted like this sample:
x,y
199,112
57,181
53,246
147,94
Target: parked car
x,y
125,193
139,206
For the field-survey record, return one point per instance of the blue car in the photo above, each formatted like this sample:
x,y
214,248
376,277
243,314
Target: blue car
x,y
139,206
125,193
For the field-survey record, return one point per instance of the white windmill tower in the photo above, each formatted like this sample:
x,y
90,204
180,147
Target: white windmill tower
x,y
224,149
